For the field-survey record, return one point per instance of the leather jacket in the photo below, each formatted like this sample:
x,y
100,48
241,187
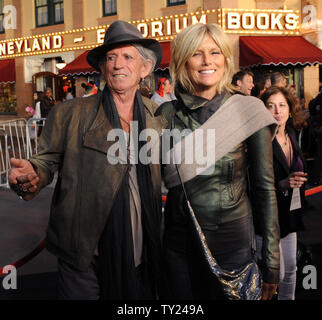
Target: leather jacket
x,y
223,195
74,143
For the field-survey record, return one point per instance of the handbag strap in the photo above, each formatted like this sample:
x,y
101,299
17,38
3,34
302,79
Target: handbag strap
x,y
253,237
248,114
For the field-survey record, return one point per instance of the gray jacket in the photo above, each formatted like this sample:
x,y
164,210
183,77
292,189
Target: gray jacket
x,y
74,143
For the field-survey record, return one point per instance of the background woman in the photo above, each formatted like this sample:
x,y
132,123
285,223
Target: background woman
x,y
89,89
202,68
37,98
289,168
164,92
35,115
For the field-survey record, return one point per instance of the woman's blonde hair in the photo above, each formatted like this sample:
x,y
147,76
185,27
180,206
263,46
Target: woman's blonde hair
x,y
187,43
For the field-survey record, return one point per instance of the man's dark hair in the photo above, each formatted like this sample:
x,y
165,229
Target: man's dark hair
x,y
277,77
240,75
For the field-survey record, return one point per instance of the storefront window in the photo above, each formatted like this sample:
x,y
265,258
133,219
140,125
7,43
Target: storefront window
x,y
1,17
175,2
109,7
49,12
8,99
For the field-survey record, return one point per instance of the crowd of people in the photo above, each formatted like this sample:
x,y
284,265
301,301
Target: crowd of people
x,y
107,228
43,104
309,133
44,101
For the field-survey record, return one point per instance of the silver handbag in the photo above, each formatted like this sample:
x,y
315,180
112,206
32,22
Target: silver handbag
x,y
242,284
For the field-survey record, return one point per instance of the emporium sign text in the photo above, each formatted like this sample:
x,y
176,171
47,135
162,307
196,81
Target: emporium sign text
x,y
251,21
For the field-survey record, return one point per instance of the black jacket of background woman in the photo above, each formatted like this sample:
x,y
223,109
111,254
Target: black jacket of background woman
x,y
290,221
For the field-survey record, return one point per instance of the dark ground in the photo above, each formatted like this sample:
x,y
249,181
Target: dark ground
x,y
23,226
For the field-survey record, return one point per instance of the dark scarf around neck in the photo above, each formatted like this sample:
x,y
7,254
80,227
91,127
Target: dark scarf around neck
x,y
118,277
199,108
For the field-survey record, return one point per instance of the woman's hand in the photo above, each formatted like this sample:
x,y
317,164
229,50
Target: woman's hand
x,y
294,180
268,290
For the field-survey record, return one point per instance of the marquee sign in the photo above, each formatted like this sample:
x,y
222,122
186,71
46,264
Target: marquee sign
x,y
256,21
253,21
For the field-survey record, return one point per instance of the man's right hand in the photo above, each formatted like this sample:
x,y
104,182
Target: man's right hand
x,y
22,177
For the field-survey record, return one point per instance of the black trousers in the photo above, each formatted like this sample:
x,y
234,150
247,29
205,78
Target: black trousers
x,y
231,245
78,285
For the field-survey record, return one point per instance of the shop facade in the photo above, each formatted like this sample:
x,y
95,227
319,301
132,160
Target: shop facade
x,y
8,98
49,45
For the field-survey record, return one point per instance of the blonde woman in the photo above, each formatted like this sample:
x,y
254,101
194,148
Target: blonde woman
x,y
202,69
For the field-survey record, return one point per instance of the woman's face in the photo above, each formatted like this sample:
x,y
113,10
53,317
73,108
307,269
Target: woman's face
x,y
166,87
279,108
206,68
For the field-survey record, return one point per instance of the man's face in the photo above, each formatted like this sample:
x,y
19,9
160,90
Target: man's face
x,y
246,84
124,68
267,83
282,83
49,94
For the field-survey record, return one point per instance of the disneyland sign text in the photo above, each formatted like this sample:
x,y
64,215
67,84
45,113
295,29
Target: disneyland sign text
x,y
32,45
